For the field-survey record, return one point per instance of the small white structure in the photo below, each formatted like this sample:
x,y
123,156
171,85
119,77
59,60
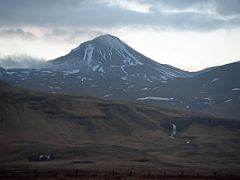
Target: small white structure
x,y
44,157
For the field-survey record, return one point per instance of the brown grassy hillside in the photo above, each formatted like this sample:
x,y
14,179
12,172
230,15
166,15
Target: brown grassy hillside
x,y
88,133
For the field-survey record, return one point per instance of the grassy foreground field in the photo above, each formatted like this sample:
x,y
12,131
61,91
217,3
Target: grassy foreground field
x,y
110,140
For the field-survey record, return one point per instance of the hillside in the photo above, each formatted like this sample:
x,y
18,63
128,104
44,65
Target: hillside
x,y
215,92
89,133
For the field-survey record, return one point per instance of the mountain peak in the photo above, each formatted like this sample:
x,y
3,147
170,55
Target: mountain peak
x,y
106,36
110,41
107,54
107,40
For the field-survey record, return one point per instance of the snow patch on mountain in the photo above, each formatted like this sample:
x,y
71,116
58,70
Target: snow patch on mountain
x,y
145,89
95,67
228,100
125,78
71,72
88,53
123,70
113,43
101,70
47,71
208,98
107,95
55,87
214,80
155,98
10,73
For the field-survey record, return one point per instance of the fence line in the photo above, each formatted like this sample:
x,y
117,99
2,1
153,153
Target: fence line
x,y
18,174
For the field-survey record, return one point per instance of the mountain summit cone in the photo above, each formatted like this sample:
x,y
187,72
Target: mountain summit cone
x,y
107,54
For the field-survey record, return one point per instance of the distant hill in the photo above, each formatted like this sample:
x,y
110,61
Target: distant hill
x,y
216,92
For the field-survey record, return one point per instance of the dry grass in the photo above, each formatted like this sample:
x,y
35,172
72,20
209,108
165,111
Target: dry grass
x,y
110,135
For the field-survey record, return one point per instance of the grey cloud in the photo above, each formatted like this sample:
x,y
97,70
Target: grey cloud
x,y
228,7
72,34
98,14
16,32
176,4
224,7
21,61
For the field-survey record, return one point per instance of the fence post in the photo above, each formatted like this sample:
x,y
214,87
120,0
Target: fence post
x,y
182,173
149,173
130,174
35,172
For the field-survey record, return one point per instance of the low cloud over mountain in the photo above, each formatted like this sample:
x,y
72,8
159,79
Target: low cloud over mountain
x,y
21,61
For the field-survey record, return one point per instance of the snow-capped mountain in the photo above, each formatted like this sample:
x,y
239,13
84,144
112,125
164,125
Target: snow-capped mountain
x,y
108,68
104,67
108,55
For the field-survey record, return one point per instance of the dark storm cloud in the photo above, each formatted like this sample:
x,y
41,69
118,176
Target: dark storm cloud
x,y
176,14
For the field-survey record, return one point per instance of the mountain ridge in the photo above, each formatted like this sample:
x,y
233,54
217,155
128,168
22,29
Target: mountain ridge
x,y
129,75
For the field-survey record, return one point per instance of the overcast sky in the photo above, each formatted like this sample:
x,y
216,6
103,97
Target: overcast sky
x,y
189,34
